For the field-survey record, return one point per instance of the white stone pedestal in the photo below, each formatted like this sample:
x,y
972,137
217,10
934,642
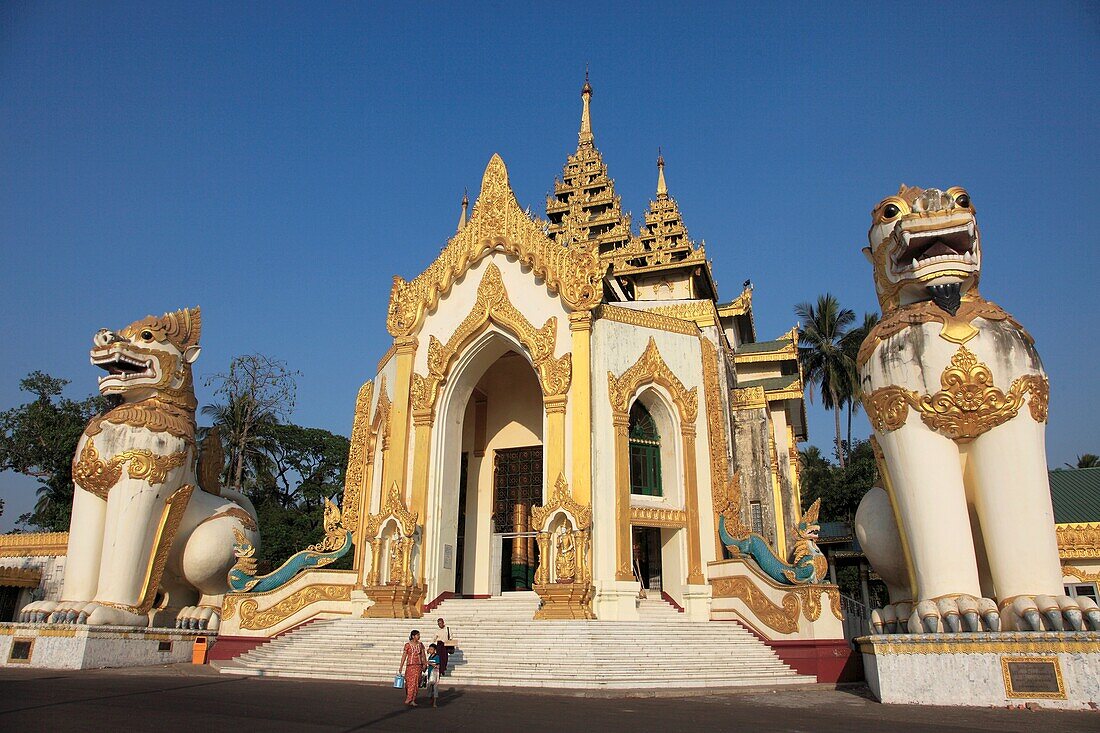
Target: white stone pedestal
x,y
1053,669
58,646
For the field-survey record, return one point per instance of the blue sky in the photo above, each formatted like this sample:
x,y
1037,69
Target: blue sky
x,y
279,163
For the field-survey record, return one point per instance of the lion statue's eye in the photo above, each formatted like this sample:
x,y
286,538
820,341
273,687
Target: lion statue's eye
x,y
963,200
147,335
890,211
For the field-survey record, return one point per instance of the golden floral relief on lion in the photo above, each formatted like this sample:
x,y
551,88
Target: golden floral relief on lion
x,y
967,405
98,476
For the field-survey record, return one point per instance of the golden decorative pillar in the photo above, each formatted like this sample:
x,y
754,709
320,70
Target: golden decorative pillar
x,y
580,395
691,507
394,470
375,561
422,436
777,495
622,497
555,434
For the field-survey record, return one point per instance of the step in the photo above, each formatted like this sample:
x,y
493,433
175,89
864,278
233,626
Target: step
x,y
500,644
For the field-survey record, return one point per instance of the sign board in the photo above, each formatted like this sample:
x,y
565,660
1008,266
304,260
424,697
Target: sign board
x,y
1033,677
448,556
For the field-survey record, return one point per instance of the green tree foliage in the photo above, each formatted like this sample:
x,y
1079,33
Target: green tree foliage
x,y
840,488
850,343
38,439
257,392
299,469
825,361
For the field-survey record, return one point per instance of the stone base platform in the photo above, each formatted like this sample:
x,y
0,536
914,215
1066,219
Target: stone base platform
x,y
63,646
1053,669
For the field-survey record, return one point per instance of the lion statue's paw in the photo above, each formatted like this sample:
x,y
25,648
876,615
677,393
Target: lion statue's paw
x,y
37,612
67,612
101,614
953,614
891,618
200,618
1052,613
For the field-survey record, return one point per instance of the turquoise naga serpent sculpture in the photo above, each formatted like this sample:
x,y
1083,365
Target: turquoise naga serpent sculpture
x,y
337,542
809,564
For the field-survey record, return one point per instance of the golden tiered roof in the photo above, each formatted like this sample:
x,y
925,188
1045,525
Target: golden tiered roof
x,y
585,208
584,205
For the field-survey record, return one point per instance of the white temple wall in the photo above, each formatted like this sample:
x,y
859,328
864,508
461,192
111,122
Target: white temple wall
x,y
615,348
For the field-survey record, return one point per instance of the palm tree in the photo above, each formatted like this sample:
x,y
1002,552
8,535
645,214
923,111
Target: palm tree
x,y
1086,460
851,343
245,436
825,362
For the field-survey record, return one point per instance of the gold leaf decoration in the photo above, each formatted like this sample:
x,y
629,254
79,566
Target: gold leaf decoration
x,y
967,405
97,476
498,223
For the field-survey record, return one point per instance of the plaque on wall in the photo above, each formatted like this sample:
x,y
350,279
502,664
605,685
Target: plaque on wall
x,y
1033,677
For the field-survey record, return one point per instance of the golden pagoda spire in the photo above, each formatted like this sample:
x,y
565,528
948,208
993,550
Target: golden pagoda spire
x,y
465,206
662,187
584,139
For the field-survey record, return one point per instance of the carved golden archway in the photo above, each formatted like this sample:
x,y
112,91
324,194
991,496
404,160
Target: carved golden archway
x,y
493,306
652,369
400,597
498,223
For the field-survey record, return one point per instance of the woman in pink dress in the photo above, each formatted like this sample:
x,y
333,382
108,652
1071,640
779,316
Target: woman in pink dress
x,y
412,664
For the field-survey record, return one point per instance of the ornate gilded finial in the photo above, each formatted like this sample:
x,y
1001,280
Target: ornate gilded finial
x,y
465,207
585,137
662,187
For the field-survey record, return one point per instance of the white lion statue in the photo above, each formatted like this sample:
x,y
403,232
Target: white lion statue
x,y
957,398
152,532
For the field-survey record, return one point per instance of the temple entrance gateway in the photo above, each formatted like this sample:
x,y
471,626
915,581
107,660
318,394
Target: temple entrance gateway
x,y
497,453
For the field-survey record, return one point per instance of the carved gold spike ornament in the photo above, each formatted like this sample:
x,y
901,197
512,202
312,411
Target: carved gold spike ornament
x,y
646,319
651,368
493,306
211,462
561,499
181,328
97,476
655,517
358,453
392,506
957,329
498,223
1075,541
967,405
725,486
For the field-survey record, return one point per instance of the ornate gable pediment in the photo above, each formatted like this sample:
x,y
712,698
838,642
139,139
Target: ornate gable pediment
x,y
497,224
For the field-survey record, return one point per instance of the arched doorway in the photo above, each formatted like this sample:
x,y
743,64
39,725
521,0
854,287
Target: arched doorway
x,y
489,473
655,470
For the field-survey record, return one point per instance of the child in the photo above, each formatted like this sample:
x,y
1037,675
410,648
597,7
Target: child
x,y
433,673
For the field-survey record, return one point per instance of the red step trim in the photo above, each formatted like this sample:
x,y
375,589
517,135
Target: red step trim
x,y
829,660
671,602
429,607
231,647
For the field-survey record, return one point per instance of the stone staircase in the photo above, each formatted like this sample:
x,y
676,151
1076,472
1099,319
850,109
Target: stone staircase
x,y
500,644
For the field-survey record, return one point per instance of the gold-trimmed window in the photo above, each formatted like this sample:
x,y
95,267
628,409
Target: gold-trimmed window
x,y
645,453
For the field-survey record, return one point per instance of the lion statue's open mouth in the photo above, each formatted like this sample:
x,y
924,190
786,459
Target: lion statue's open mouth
x,y
925,242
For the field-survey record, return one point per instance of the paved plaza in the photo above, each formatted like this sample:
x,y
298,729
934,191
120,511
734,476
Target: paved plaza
x,y
186,698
